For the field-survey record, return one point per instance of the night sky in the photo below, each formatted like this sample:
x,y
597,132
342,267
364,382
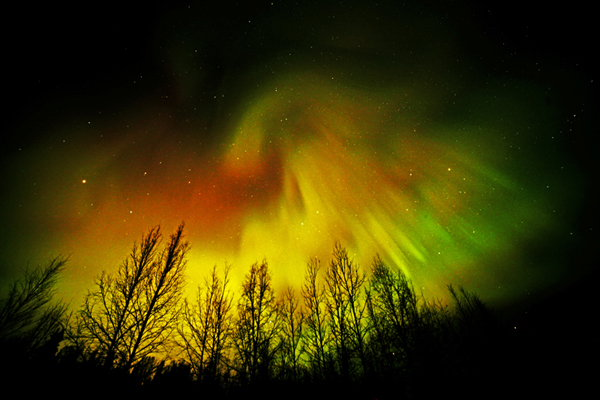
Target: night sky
x,y
457,140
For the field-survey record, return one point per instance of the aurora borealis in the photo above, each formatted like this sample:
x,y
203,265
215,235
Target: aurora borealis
x,y
274,130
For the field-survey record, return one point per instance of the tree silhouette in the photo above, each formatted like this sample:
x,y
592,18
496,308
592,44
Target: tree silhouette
x,y
393,311
257,326
31,328
346,308
133,314
352,334
207,326
316,332
470,311
476,344
290,337
27,313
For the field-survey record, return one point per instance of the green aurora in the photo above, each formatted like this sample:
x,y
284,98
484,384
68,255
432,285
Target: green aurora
x,y
276,130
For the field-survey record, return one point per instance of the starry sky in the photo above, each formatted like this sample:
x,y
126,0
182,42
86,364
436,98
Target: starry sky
x,y
455,139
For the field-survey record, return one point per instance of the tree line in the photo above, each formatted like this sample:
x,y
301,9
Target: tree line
x,y
366,335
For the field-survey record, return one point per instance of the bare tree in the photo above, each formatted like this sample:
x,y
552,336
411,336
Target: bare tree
x,y
290,336
256,326
470,310
107,313
316,330
27,312
207,327
132,314
394,315
346,307
473,321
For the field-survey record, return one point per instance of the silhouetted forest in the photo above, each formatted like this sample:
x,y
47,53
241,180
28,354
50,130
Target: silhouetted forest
x,y
343,334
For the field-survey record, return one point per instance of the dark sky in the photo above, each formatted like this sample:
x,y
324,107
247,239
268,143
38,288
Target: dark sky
x,y
459,140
